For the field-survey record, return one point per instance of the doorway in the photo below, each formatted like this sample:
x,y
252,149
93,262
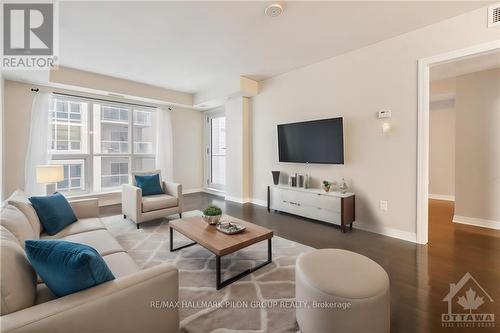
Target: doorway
x,y
215,161
424,99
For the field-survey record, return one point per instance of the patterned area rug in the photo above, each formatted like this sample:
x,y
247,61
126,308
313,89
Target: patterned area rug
x,y
260,302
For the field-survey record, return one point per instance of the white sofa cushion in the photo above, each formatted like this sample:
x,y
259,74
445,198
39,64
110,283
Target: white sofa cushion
x,y
157,202
17,223
18,279
120,264
101,240
43,294
19,199
82,225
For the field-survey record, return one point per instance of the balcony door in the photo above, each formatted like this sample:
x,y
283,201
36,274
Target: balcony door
x,y
216,151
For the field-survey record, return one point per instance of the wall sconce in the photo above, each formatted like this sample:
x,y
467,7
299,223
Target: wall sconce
x,y
386,128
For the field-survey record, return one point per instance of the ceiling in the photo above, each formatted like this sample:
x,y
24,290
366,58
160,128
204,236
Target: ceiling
x,y
467,65
188,46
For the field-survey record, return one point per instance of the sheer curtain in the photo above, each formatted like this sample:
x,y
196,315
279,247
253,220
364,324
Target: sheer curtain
x,y
164,146
40,138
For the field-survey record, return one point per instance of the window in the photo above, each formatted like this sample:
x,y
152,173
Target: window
x,y
69,127
100,143
74,175
216,150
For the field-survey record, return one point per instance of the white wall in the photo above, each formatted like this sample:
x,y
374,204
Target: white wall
x,y
442,140
478,146
2,84
187,127
187,139
356,85
238,149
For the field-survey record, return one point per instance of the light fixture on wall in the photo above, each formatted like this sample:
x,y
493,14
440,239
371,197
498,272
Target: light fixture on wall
x,y
386,125
386,128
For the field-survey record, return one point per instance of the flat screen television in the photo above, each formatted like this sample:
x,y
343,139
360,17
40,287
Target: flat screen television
x,y
317,141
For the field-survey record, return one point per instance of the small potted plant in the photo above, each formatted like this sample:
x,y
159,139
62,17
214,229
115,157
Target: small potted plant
x,y
326,185
212,214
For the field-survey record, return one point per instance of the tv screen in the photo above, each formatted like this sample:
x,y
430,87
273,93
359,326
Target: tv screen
x,y
317,141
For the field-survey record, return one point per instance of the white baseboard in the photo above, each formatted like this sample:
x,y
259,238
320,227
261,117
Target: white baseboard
x,y
442,197
214,192
476,222
259,202
192,190
386,231
237,199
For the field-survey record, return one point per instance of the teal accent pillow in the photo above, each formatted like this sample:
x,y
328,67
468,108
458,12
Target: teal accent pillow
x,y
67,267
54,212
149,184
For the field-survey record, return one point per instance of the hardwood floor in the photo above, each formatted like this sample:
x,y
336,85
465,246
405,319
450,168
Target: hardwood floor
x,y
420,275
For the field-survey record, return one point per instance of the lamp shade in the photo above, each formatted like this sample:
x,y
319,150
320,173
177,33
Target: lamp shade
x,y
49,174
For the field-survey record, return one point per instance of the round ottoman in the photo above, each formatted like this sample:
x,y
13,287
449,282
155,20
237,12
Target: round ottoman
x,y
341,291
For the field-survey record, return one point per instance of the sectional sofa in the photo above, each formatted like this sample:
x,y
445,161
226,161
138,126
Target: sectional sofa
x,y
121,305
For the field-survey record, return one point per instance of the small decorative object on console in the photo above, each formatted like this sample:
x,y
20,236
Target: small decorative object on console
x,y
276,177
343,186
230,227
300,180
326,185
212,214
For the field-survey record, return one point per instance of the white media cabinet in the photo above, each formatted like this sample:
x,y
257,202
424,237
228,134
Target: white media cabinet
x,y
332,207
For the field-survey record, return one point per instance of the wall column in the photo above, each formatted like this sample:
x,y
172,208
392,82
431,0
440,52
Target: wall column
x,y
238,149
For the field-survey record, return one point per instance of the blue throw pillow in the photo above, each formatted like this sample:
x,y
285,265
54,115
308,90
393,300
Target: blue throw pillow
x,y
54,212
149,184
67,267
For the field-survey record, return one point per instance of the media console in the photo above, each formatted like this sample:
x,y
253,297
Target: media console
x,y
332,207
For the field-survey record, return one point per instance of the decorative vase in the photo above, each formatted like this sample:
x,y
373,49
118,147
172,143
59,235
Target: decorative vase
x,y
212,220
343,186
276,177
326,188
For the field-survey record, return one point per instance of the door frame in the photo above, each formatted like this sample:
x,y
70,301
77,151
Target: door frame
x,y
220,111
424,66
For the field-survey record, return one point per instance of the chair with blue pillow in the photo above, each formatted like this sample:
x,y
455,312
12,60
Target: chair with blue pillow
x,y
149,198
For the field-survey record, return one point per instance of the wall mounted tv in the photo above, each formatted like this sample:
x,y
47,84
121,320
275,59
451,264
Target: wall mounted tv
x,y
317,141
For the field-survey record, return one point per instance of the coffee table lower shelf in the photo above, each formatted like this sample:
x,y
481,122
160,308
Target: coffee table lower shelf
x,y
219,283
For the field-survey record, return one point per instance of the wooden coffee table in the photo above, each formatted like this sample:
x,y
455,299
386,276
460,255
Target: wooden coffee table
x,y
220,243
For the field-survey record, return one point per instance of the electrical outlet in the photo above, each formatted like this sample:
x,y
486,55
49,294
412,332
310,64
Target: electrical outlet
x,y
383,205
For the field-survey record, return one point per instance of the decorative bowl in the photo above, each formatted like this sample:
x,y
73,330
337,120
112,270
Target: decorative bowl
x,y
212,220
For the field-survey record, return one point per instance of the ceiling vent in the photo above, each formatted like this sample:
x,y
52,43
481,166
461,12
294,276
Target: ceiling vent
x,y
494,16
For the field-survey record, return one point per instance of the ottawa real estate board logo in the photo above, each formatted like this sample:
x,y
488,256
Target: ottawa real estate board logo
x,y
28,36
468,305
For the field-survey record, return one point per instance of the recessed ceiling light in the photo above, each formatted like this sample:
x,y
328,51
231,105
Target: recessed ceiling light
x,y
274,10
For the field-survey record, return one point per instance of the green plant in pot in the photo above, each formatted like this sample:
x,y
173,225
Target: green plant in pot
x,y
212,214
326,185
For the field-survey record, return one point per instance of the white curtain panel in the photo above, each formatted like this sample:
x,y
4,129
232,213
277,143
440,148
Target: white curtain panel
x,y
164,145
39,142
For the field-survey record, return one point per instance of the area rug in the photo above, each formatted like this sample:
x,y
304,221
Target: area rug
x,y
260,302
